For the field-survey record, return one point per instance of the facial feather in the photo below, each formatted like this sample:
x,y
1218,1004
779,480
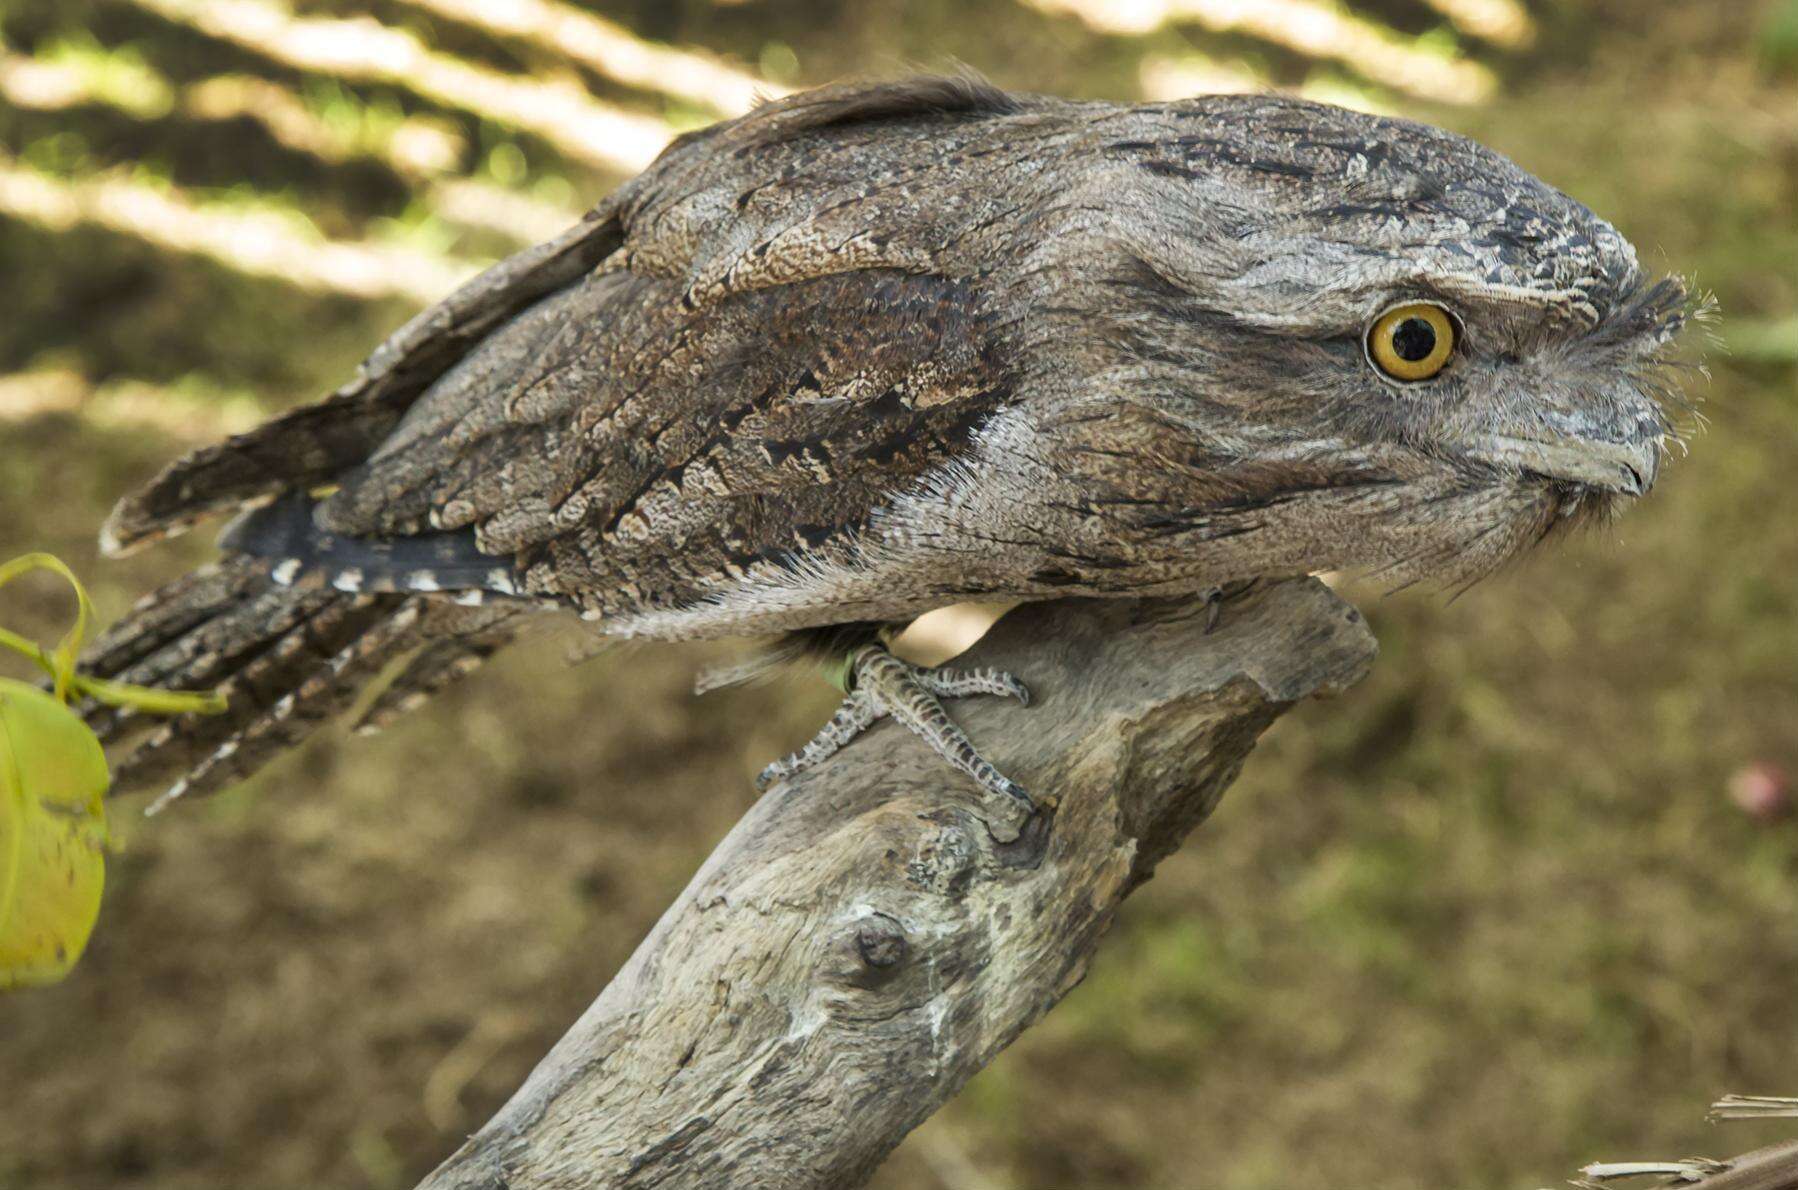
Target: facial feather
x,y
1255,239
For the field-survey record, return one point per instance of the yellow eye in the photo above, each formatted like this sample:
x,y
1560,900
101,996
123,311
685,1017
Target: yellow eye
x,y
1412,342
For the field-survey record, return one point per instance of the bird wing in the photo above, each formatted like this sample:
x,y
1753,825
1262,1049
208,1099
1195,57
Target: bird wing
x,y
309,445
727,367
647,453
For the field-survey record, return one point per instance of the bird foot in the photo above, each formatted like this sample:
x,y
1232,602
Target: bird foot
x,y
881,685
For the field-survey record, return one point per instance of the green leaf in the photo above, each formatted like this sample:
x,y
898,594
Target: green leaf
x,y
53,778
53,781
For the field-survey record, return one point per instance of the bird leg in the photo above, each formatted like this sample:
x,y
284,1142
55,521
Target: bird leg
x,y
879,684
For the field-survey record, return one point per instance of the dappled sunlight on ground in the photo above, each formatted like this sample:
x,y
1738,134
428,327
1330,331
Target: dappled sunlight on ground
x,y
1308,27
358,48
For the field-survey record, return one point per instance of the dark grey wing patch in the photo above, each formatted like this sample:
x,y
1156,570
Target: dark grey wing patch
x,y
300,553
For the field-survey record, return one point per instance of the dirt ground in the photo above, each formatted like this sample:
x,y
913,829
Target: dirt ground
x,y
1489,917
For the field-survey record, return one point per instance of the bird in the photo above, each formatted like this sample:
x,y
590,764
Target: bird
x,y
877,348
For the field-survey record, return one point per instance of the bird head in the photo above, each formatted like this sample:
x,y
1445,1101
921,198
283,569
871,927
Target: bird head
x,y
1371,294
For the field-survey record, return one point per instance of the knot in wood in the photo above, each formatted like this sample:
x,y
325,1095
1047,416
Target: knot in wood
x,y
880,940
947,858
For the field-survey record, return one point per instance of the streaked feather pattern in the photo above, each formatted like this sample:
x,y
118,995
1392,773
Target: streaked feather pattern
x,y
873,349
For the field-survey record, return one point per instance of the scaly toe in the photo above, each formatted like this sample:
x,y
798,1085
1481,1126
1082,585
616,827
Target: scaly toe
x,y
964,683
852,718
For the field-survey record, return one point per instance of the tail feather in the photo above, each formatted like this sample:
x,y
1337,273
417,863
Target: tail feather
x,y
262,664
479,633
291,718
287,659
167,614
191,636
212,650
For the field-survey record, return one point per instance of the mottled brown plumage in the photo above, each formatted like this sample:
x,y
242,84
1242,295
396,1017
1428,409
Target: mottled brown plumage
x,y
870,350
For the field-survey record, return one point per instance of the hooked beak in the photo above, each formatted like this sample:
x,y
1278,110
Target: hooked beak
x,y
1613,468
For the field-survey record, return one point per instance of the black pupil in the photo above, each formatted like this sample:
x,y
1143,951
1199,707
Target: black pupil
x,y
1414,340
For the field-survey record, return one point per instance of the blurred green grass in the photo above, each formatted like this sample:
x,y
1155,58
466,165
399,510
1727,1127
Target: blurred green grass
x,y
1486,918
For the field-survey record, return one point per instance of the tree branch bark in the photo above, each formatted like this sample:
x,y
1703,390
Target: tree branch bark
x,y
864,940
1774,1167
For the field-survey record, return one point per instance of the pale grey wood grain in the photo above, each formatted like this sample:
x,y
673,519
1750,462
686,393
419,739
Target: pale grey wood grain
x,y
862,942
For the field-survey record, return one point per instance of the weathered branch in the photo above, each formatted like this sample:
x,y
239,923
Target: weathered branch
x,y
1774,1167
861,943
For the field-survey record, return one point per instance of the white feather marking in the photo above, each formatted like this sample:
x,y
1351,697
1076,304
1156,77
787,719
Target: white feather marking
x,y
284,573
168,795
